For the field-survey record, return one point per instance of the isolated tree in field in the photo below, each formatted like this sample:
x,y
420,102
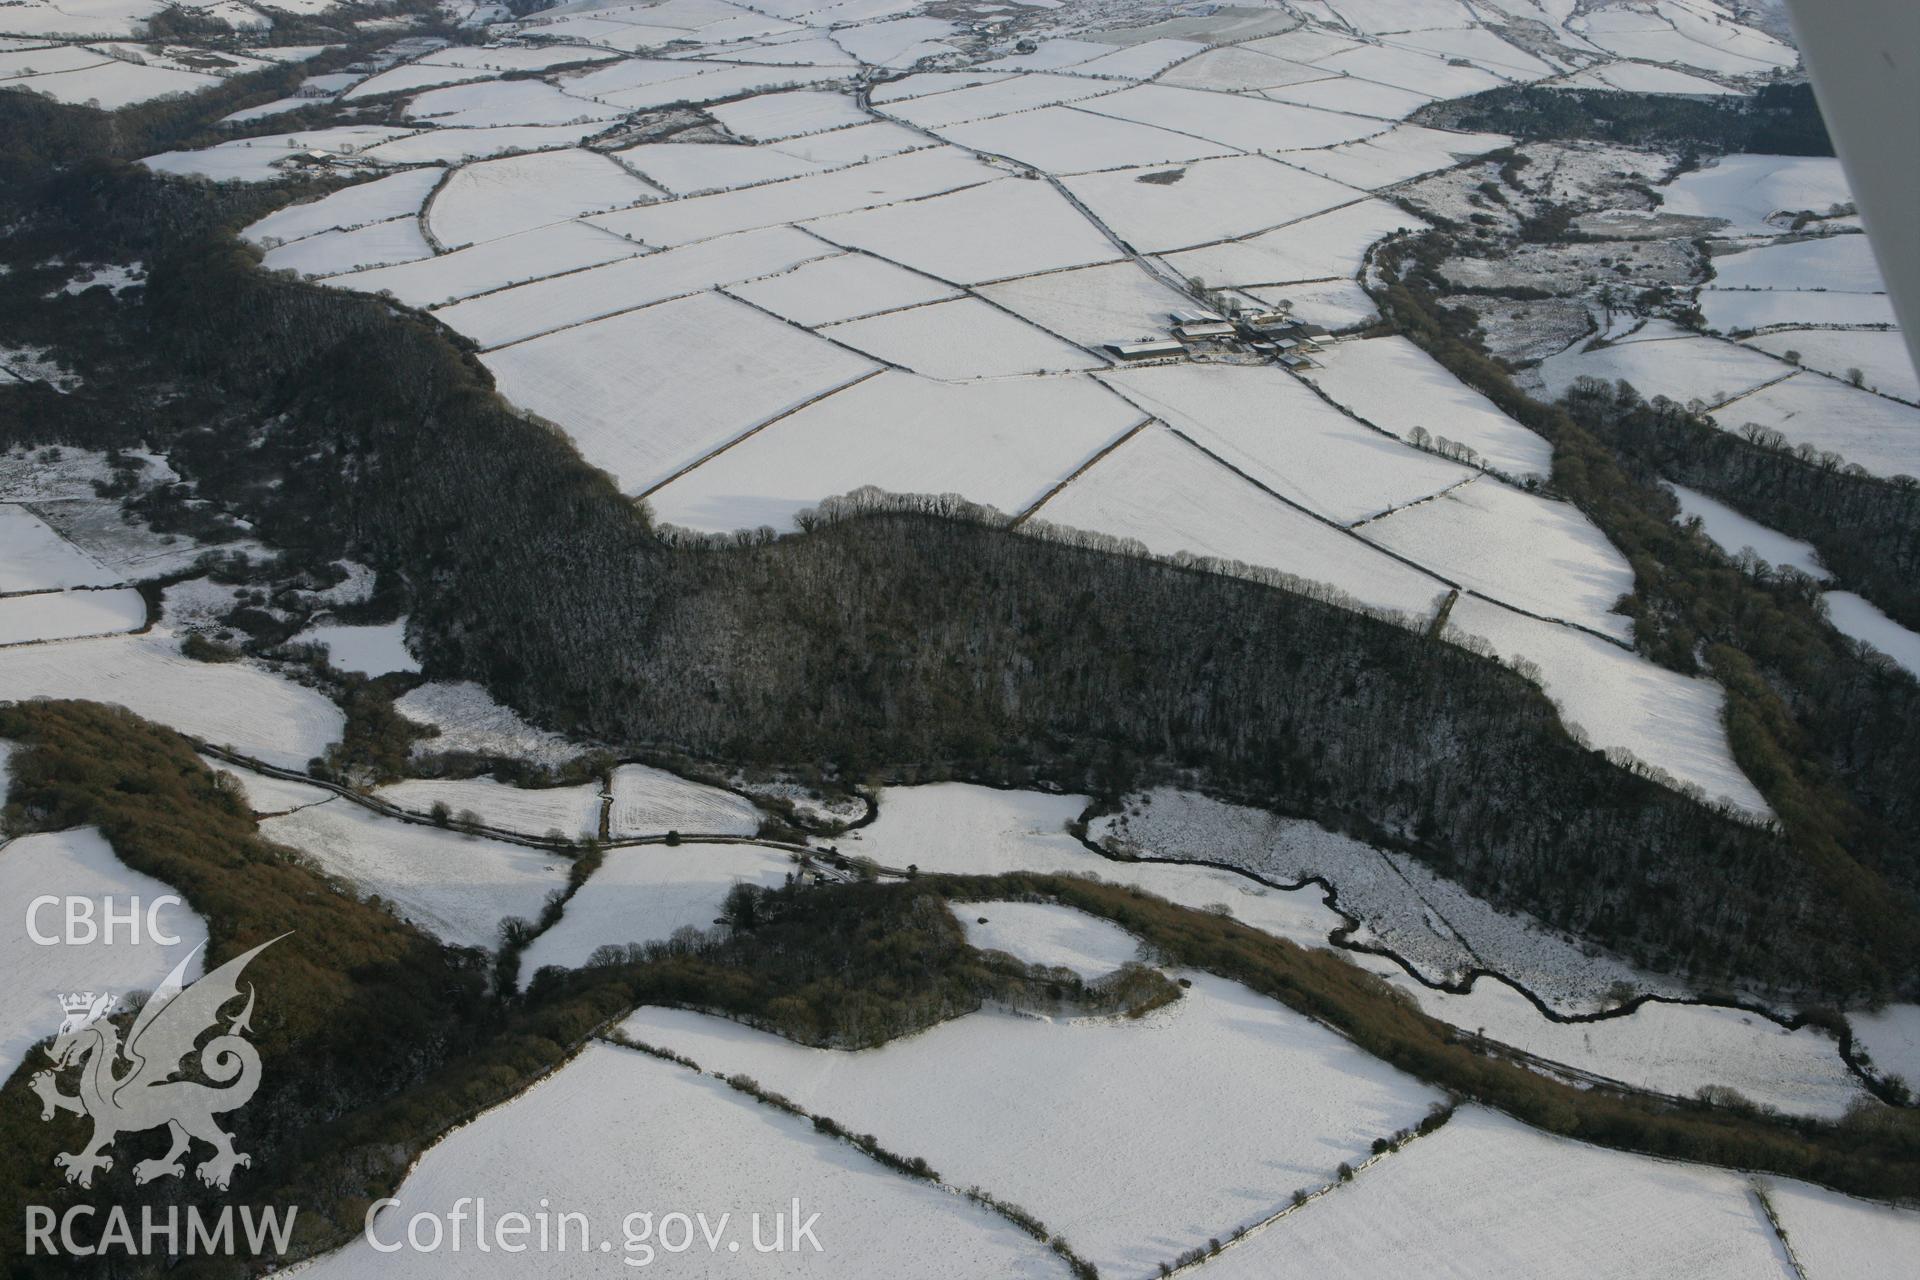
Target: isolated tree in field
x,y
441,813
741,907
1857,377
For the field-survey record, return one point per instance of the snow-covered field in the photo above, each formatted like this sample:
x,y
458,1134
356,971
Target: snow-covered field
x,y
1843,264
1164,207
1734,533
231,704
819,195
532,811
1892,1037
1240,1100
1515,547
1857,617
412,77
1665,1048
644,893
903,434
1232,69
840,286
515,259
1071,140
1740,310
1752,193
1641,77
926,82
1051,937
35,558
537,57
996,98
1332,304
1881,435
451,146
97,79
1397,387
1836,1235
690,168
259,159
496,198
1620,699
1397,155
1272,428
398,195
378,244
1165,493
529,310
1411,69
858,145
372,650
773,116
962,829
963,237
1354,95
965,338
1247,123
615,1132
265,793
1881,357
456,887
1091,305
496,103
63,615
1683,369
652,802
1327,246
669,359
1488,1197
77,864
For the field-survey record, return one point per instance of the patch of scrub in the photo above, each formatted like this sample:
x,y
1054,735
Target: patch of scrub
x,y
471,722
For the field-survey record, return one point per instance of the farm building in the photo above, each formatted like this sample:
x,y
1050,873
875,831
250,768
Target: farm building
x,y
1150,349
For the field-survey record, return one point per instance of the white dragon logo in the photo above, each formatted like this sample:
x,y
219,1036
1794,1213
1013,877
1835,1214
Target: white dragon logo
x,y
146,1096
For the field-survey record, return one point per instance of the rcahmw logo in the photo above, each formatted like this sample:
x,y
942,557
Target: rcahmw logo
x,y
83,928
129,1088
